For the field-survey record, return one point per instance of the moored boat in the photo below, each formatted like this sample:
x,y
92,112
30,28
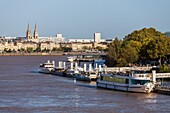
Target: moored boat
x,y
93,75
58,71
136,81
46,67
82,77
71,58
70,72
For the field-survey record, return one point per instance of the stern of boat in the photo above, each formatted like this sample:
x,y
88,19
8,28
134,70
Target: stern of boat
x,y
148,87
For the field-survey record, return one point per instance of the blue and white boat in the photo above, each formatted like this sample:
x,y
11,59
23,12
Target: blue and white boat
x,y
136,81
46,67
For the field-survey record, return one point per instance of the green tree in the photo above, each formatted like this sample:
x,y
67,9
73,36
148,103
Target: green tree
x,y
145,45
29,49
85,48
66,49
22,49
149,43
164,68
9,51
38,49
46,50
54,49
60,49
114,50
5,50
99,48
129,54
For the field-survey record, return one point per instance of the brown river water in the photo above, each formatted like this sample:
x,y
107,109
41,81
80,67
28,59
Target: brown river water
x,y
24,90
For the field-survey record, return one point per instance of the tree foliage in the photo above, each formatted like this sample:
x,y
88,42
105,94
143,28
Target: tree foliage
x,y
114,50
146,45
164,68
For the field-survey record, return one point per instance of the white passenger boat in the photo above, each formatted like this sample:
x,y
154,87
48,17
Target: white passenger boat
x,y
89,75
71,58
93,75
82,77
136,81
71,72
46,67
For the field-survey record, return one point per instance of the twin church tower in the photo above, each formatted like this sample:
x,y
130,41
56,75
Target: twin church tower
x,y
31,38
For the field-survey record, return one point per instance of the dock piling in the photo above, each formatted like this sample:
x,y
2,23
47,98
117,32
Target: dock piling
x,y
84,68
53,63
90,67
64,65
100,68
71,65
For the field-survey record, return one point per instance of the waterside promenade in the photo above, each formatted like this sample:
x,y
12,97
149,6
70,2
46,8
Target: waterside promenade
x,y
162,90
29,54
39,53
51,53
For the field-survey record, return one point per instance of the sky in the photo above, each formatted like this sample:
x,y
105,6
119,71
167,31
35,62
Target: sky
x,y
82,18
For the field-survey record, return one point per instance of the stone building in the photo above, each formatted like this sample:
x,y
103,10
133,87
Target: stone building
x,y
48,45
103,45
97,37
27,45
80,46
35,42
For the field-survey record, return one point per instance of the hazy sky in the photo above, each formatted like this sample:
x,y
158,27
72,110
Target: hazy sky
x,y
81,18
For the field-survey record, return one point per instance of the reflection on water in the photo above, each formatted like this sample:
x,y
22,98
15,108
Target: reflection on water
x,y
150,98
22,89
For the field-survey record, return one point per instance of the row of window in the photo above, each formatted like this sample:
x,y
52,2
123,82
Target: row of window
x,y
114,79
123,80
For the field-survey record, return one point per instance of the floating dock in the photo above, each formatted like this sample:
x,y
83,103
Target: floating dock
x,y
162,90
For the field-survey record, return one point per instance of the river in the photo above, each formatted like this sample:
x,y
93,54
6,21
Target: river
x,y
24,90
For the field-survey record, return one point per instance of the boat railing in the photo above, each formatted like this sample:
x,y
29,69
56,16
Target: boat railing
x,y
118,73
141,75
162,87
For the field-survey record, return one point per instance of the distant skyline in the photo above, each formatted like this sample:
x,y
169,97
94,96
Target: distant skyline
x,y
82,18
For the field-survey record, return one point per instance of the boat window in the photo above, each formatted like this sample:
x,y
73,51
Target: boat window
x,y
141,82
127,81
115,79
41,65
139,72
101,78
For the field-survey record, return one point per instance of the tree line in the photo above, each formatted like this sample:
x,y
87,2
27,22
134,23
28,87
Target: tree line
x,y
38,49
140,47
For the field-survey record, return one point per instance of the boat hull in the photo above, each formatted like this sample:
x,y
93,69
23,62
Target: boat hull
x,y
57,73
82,78
124,87
93,77
69,75
45,71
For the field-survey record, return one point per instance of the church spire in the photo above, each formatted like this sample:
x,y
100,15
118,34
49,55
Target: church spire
x,y
29,37
35,29
28,28
28,33
35,32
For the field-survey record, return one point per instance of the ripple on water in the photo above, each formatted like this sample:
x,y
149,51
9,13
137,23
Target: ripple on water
x,y
22,89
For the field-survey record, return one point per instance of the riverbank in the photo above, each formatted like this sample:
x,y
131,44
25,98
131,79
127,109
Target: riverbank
x,y
49,54
30,54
